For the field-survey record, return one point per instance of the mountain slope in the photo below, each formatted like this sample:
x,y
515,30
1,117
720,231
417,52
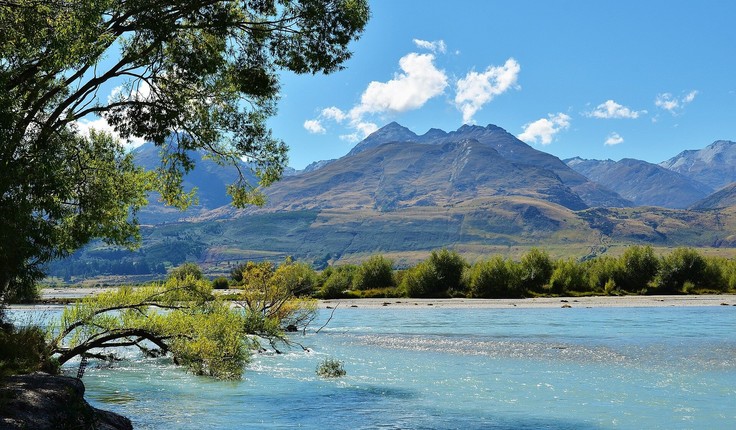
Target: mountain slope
x,y
509,147
405,174
643,183
723,198
714,165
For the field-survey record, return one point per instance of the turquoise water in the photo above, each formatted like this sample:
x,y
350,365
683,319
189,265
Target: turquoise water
x,y
434,368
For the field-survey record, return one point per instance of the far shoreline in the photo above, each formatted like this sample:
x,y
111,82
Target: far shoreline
x,y
537,302
59,295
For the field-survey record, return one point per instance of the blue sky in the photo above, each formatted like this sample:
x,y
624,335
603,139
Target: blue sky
x,y
596,79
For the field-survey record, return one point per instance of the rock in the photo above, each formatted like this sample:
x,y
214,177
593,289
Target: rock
x,y
291,328
42,401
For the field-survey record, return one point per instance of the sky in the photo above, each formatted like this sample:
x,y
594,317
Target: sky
x,y
595,79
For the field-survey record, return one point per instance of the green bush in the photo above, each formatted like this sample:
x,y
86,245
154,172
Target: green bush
x,y
376,272
603,274
220,283
338,282
638,267
568,276
299,278
422,281
448,267
535,270
495,278
681,266
24,350
186,270
331,368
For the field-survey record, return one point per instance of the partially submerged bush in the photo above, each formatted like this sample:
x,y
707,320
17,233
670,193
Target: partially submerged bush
x,y
331,368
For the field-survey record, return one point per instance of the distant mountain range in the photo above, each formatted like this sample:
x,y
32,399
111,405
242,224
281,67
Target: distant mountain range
x,y
477,189
643,183
714,165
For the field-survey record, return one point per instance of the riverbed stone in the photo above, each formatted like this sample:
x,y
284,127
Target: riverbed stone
x,y
42,401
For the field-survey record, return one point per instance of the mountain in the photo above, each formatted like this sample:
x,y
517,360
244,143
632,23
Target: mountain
x,y
478,190
392,132
643,183
714,165
437,169
723,198
508,147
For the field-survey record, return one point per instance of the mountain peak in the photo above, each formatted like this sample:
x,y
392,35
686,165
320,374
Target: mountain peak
x,y
391,132
714,165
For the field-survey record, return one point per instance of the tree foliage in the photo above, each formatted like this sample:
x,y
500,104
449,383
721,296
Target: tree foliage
x,y
276,294
536,269
185,271
374,273
188,74
180,319
495,278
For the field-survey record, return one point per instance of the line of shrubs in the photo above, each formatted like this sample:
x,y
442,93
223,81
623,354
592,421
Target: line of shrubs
x,y
447,274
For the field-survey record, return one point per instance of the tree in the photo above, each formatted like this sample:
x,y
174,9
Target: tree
x,y
186,270
448,266
181,319
683,265
376,272
189,74
536,269
495,278
639,266
275,295
568,276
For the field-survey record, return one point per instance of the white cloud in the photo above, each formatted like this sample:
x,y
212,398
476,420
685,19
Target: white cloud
x,y
436,46
419,82
350,138
690,96
673,104
543,130
477,89
333,113
613,139
100,124
314,126
612,110
410,90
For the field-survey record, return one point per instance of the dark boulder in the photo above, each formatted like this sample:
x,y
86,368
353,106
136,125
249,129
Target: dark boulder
x,y
42,401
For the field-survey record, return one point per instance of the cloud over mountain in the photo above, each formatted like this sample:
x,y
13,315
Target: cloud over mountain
x,y
544,130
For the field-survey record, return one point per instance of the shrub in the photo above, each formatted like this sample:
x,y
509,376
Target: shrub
x,y
331,368
25,350
603,274
186,270
681,266
448,267
220,283
421,281
376,272
299,278
339,280
638,267
495,278
535,270
568,276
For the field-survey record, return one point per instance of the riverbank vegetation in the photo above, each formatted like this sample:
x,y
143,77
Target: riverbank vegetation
x,y
446,273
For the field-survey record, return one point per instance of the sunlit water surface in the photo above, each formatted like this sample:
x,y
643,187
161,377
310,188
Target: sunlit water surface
x,y
434,368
